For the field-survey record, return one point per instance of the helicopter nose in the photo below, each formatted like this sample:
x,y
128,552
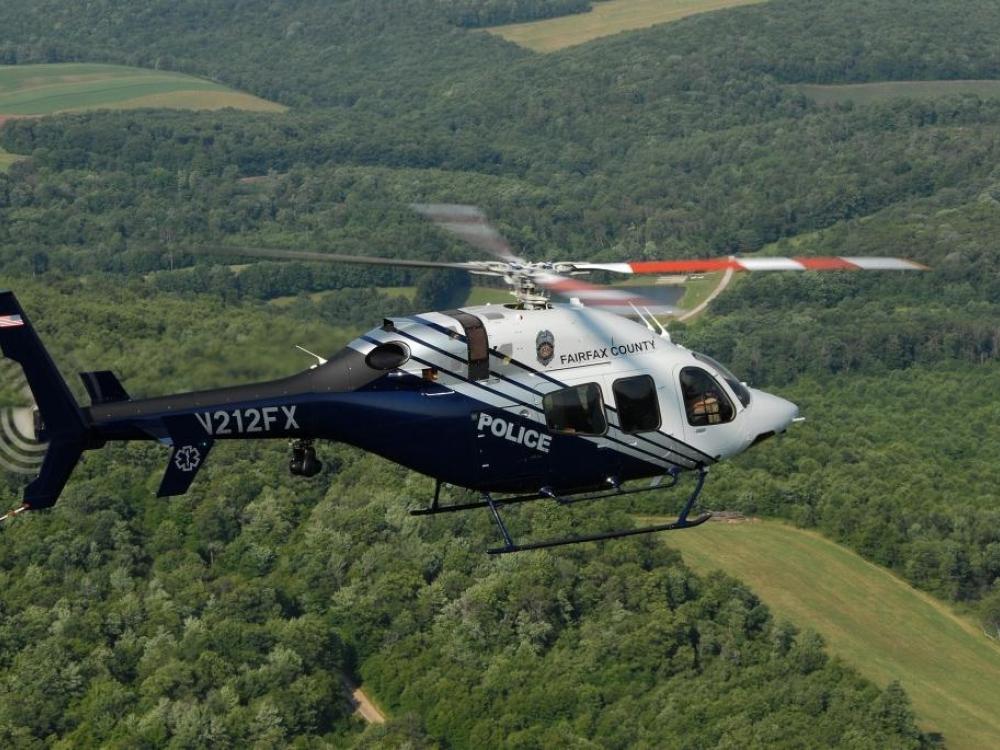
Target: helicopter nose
x,y
769,415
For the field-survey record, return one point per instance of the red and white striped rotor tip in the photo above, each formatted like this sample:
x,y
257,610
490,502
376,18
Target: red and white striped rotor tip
x,y
815,263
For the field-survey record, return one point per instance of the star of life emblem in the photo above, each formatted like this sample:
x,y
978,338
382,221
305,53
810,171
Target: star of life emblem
x,y
187,458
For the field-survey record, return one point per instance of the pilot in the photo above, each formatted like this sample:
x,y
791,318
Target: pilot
x,y
700,398
707,409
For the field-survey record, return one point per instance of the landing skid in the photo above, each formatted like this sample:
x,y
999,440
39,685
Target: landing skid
x,y
494,505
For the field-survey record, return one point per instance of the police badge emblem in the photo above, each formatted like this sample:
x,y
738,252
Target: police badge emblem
x,y
545,346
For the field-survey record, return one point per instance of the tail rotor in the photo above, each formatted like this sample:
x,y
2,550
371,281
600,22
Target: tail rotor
x,y
64,435
20,450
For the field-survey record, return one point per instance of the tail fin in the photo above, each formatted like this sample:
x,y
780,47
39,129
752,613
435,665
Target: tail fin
x,y
63,424
103,387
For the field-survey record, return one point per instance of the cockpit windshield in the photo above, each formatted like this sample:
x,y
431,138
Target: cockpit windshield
x,y
741,391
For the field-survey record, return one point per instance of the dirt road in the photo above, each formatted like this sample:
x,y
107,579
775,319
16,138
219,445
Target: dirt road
x,y
362,704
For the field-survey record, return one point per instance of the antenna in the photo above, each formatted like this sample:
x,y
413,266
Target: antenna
x,y
642,318
663,331
319,359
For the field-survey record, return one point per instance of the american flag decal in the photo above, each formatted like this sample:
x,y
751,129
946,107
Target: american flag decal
x,y
11,321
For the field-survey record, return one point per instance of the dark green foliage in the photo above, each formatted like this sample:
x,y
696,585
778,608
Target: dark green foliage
x,y
475,13
224,617
621,636
990,611
718,192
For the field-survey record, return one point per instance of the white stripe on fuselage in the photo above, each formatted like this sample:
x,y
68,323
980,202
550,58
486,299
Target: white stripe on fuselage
x,y
521,399
539,383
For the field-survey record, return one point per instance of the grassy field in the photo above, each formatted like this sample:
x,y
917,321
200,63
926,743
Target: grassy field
x,y
606,18
46,89
871,619
872,93
697,289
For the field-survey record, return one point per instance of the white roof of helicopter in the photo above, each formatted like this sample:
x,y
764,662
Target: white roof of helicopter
x,y
581,338
565,342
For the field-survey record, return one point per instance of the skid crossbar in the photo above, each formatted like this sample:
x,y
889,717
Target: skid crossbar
x,y
546,493
682,522
599,537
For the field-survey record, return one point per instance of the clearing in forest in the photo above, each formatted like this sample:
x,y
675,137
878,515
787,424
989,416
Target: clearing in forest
x,y
870,618
873,93
7,159
27,90
605,18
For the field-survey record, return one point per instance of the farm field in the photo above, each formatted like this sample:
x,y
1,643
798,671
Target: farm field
x,y
872,93
483,295
606,18
28,90
871,619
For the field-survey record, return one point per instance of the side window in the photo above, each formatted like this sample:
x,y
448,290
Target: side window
x,y
635,398
576,411
704,399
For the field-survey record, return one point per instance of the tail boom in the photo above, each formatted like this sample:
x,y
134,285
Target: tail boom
x,y
302,406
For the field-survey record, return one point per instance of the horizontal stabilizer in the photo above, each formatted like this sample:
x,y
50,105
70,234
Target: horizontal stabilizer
x,y
190,449
103,387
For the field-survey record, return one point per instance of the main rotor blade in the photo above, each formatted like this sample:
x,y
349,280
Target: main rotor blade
x,y
470,224
277,254
817,263
617,300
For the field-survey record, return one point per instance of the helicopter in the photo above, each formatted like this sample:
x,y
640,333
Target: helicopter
x,y
527,401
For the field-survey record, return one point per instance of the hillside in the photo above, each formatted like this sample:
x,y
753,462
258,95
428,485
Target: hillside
x,y
870,619
33,90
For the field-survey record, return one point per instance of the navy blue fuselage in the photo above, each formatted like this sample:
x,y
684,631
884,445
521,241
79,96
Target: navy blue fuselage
x,y
419,424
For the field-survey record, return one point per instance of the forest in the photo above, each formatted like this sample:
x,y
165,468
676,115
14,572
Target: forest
x,y
477,13
225,617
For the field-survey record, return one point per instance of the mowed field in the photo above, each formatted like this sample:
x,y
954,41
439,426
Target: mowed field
x,y
606,18
27,90
870,618
872,93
